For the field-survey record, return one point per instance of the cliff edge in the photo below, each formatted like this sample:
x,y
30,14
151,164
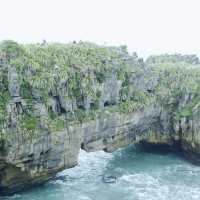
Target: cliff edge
x,y
58,98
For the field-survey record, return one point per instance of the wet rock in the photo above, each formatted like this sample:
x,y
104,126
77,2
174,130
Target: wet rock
x,y
109,179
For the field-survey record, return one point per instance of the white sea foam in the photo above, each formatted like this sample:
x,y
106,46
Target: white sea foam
x,y
143,186
170,178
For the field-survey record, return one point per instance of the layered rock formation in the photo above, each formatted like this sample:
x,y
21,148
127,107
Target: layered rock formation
x,y
56,99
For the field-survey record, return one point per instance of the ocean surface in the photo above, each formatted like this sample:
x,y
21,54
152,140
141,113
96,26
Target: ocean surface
x,y
134,175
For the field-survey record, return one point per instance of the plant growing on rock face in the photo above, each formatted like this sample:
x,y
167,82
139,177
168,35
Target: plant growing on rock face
x,y
29,123
4,98
175,82
124,93
77,72
57,124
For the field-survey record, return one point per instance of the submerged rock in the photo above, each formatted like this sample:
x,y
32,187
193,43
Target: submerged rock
x,y
109,179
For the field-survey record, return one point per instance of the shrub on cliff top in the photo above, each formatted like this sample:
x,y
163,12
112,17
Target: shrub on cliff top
x,y
11,49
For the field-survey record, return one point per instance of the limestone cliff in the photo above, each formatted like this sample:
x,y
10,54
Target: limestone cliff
x,y
56,99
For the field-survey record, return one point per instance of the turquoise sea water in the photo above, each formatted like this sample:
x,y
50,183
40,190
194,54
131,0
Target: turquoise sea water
x,y
140,176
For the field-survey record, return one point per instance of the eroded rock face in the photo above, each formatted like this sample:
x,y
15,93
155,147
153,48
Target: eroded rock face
x,y
33,162
36,161
47,116
188,130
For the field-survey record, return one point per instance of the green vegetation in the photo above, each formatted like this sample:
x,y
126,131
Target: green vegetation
x,y
67,77
176,82
11,49
4,98
178,89
138,101
29,123
173,58
184,113
57,124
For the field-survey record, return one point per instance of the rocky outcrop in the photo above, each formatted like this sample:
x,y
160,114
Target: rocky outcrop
x,y
103,100
26,163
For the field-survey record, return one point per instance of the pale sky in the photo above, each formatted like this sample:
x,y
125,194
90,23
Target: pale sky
x,y
145,26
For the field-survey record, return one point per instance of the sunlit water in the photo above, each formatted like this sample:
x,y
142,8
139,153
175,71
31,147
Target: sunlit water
x,y
140,176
